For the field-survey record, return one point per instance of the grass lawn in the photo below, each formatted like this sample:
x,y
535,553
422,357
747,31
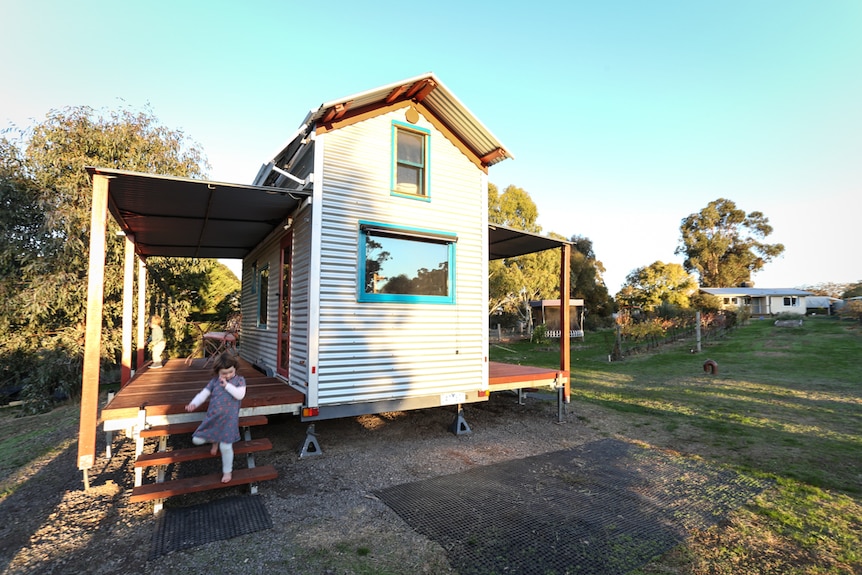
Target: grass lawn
x,y
786,403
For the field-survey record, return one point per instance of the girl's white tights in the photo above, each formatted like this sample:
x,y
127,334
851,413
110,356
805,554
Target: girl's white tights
x,y
226,453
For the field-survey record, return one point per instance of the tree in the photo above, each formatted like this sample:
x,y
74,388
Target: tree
x,y
854,290
586,281
183,290
656,284
46,195
514,282
830,289
723,246
514,208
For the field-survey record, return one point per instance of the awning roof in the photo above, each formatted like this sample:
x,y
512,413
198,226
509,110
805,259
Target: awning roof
x,y
182,217
506,242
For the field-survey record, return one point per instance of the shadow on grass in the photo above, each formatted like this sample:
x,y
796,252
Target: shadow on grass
x,y
824,461
50,512
28,508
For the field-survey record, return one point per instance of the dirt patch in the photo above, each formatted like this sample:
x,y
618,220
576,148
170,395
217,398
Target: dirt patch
x,y
326,518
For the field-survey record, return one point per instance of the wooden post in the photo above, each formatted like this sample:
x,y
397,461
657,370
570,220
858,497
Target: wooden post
x,y
93,333
565,319
142,313
128,296
697,329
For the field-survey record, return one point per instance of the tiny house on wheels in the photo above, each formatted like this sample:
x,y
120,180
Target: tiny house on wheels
x,y
365,246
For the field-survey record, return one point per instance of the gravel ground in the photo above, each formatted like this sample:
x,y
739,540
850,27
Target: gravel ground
x,y
326,520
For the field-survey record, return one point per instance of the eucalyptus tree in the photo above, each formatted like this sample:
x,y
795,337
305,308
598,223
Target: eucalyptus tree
x,y
586,281
46,198
658,283
513,282
723,245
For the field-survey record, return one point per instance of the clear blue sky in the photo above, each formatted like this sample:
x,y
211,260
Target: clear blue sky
x,y
624,116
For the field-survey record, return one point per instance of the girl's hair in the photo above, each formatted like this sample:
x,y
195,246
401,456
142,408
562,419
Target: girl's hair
x,y
225,360
156,319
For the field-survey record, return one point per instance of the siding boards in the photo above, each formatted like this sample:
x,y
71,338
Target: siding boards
x,y
377,351
260,344
299,298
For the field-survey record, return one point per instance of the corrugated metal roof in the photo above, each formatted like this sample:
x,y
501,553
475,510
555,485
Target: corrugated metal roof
x,y
182,217
433,94
506,242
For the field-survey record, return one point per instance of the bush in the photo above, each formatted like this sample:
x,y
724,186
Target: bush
x,y
41,377
595,322
644,329
540,334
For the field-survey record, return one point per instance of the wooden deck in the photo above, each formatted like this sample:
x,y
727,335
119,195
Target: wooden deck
x,y
165,392
503,376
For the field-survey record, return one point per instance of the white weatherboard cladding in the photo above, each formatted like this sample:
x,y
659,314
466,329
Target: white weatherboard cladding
x,y
259,344
299,298
374,351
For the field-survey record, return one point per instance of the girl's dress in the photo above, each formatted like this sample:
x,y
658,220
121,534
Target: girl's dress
x,y
221,424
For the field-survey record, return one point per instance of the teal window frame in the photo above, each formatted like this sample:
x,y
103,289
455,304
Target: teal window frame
x,y
421,235
425,194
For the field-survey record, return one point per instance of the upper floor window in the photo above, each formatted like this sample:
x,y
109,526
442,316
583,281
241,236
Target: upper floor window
x,y
406,265
410,160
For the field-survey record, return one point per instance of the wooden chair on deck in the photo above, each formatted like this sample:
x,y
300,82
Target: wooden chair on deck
x,y
205,347
213,343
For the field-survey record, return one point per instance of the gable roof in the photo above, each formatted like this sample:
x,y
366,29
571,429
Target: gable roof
x,y
425,92
429,91
756,292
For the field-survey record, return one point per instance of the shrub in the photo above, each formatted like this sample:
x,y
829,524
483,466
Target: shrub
x,y
540,334
644,329
43,377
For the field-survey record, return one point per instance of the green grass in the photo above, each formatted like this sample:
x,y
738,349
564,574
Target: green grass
x,y
786,403
25,439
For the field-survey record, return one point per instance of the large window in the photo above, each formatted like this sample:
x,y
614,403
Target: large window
x,y
410,160
790,301
406,265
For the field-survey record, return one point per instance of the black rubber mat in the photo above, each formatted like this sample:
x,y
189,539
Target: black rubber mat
x,y
604,508
185,527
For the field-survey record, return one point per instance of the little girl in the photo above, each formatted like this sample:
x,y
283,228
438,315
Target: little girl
x,y
221,424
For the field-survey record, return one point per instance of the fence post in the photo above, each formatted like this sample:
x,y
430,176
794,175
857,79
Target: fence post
x,y
697,329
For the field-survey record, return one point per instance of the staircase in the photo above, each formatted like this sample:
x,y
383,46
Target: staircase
x,y
162,457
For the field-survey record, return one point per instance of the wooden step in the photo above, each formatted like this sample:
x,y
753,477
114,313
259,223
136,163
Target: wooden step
x,y
199,452
191,426
152,491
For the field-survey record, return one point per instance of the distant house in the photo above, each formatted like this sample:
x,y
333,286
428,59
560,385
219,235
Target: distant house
x,y
547,312
823,305
763,301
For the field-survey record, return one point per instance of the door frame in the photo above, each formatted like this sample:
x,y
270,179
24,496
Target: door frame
x,y
282,366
